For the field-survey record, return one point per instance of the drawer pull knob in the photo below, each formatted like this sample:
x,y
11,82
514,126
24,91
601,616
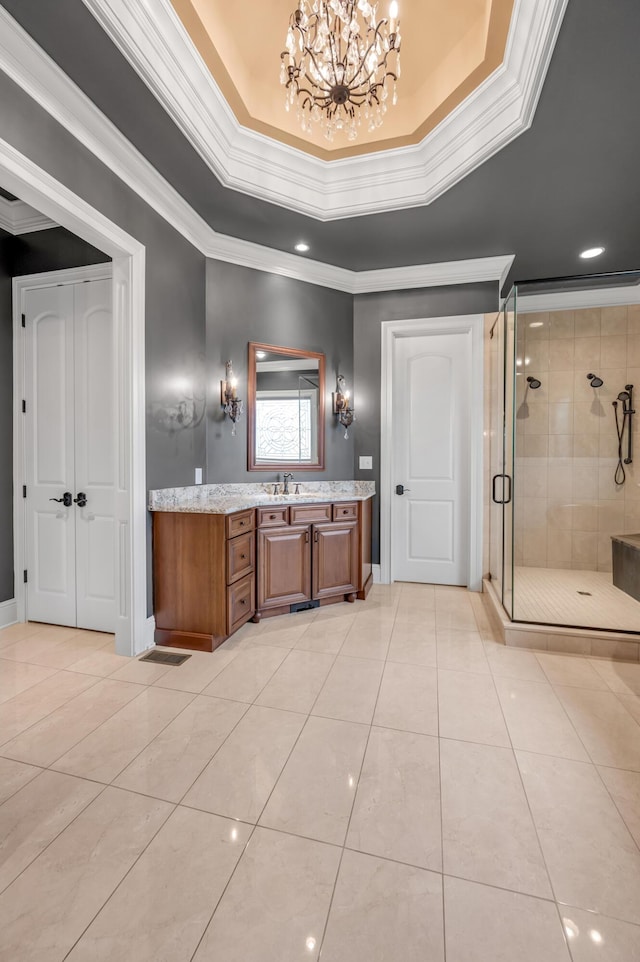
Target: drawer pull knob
x,y
242,557
242,524
345,511
243,601
271,517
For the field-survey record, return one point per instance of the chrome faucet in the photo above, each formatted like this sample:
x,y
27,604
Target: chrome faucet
x,y
285,482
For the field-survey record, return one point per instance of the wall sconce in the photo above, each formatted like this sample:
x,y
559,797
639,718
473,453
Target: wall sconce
x,y
232,405
341,408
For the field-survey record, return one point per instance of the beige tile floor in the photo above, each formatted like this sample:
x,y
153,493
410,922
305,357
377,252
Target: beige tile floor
x,y
368,783
552,596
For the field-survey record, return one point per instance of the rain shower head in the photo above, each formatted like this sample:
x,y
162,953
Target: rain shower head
x,y
595,380
534,383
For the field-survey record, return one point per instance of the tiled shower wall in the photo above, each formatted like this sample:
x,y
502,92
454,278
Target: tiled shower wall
x,y
566,502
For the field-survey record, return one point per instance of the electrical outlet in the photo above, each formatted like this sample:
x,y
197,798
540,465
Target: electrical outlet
x,y
198,476
366,463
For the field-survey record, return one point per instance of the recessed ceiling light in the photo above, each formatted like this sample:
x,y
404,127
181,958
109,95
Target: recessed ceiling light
x,y
302,247
592,252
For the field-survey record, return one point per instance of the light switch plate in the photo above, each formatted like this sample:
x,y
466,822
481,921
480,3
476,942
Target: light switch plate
x,y
366,462
198,475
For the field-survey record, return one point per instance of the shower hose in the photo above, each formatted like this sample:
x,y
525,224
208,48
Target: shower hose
x,y
620,475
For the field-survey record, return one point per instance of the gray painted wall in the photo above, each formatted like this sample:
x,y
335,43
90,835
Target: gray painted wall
x,y
246,305
6,423
175,284
370,310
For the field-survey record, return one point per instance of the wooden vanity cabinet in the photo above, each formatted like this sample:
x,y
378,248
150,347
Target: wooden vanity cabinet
x,y
203,577
335,560
213,572
322,554
284,572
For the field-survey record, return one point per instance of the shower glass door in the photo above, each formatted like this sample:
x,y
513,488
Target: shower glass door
x,y
502,363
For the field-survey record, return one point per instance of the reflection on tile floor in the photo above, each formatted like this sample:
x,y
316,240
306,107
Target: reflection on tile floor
x,y
374,782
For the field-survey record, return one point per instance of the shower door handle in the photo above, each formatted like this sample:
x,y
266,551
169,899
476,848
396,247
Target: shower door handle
x,y
507,483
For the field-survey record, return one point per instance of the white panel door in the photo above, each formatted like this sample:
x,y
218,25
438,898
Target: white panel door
x,y
94,473
50,457
431,397
70,436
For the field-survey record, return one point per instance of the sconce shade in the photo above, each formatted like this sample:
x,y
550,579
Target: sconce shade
x,y
233,406
341,408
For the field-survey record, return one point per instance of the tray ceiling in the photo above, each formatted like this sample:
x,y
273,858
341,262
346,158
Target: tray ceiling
x,y
448,50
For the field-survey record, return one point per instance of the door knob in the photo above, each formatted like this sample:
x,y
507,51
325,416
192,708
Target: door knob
x,y
400,489
81,500
65,499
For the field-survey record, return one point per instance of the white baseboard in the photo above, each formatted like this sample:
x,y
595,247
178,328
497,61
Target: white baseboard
x,y
377,577
149,632
8,612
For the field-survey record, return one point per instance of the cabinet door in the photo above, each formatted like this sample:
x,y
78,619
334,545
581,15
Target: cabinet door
x,y
284,566
335,559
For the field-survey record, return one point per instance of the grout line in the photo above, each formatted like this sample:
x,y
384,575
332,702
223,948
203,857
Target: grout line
x,y
353,805
39,770
51,841
127,873
525,795
48,714
144,748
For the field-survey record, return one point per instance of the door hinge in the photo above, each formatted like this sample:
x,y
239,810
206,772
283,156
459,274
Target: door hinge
x,y
24,320
25,576
24,407
24,490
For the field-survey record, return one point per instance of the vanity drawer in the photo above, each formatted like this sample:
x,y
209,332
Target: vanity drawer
x,y
345,511
240,602
240,522
309,513
271,517
240,556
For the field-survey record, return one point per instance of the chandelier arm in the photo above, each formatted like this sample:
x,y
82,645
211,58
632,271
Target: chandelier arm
x,y
363,58
323,91
315,97
309,51
331,42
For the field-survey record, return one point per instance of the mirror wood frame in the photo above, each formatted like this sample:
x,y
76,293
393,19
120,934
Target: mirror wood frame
x,y
292,353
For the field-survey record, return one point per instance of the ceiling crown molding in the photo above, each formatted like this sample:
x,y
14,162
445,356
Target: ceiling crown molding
x,y
36,73
155,42
16,217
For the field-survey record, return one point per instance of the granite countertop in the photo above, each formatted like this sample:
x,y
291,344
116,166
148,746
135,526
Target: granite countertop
x,y
227,498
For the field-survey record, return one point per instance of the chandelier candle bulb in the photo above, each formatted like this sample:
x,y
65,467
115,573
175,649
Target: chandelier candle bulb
x,y
393,16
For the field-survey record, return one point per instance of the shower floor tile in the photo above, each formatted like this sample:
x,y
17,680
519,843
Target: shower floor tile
x,y
553,596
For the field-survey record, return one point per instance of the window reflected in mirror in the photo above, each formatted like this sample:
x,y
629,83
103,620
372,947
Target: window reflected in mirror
x,y
286,408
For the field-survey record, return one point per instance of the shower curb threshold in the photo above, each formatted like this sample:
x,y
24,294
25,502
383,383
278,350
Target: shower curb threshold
x,y
577,641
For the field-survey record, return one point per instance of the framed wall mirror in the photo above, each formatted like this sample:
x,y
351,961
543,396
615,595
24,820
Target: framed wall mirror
x,y
285,417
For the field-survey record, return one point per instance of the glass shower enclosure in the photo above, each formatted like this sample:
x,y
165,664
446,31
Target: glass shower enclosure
x,y
565,484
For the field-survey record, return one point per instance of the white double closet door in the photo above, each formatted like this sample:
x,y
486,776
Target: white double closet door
x,y
69,449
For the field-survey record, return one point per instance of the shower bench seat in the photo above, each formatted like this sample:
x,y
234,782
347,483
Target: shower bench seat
x,y
626,563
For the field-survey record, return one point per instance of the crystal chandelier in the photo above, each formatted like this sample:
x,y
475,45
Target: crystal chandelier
x,y
339,64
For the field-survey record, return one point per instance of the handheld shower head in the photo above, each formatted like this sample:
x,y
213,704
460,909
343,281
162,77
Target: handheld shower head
x,y
623,396
595,380
533,383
